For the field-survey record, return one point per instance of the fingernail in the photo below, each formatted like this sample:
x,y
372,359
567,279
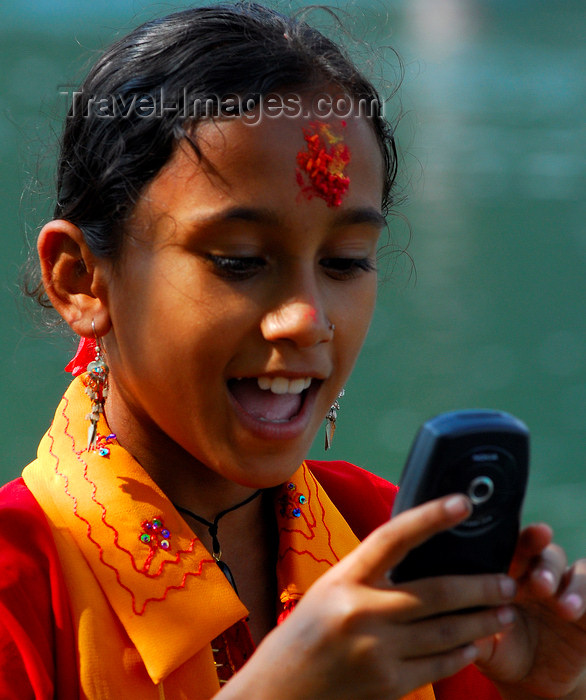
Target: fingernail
x,y
573,602
470,652
506,615
457,505
508,587
546,577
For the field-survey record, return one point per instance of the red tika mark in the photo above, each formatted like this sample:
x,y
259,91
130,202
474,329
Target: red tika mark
x,y
136,611
320,168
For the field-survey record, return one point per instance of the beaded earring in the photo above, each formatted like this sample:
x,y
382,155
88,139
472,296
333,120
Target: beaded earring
x,y
97,390
331,420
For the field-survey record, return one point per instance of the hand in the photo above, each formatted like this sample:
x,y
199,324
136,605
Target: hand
x,y
355,635
544,653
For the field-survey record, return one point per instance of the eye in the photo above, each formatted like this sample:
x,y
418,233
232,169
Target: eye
x,y
347,268
236,268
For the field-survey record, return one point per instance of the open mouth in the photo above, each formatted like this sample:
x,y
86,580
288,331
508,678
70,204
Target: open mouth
x,y
271,399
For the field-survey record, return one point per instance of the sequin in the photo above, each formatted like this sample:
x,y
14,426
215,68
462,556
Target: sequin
x,y
102,442
290,501
155,534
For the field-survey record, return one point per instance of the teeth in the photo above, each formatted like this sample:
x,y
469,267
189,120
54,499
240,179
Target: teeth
x,y
282,385
296,386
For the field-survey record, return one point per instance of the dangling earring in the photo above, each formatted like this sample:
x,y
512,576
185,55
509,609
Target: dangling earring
x,y
97,390
331,420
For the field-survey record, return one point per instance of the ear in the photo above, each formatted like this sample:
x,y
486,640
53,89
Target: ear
x,y
74,279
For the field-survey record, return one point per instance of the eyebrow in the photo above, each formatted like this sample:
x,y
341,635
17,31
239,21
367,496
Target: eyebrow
x,y
260,215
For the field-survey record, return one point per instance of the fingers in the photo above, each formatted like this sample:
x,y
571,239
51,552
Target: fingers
x,y
532,541
433,636
443,665
389,544
572,598
547,571
543,569
445,594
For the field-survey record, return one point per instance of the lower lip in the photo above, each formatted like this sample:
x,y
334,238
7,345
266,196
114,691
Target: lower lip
x,y
279,430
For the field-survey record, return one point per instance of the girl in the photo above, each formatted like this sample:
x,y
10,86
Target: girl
x,y
223,181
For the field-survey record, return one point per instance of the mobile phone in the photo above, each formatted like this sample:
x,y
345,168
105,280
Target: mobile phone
x,y
485,455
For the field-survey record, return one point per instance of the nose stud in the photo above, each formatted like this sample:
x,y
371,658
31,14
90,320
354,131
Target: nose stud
x,y
331,329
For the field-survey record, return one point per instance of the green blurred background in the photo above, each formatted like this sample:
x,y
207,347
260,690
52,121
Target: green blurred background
x,y
493,139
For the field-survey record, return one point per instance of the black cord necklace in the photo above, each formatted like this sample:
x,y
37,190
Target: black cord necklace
x,y
213,530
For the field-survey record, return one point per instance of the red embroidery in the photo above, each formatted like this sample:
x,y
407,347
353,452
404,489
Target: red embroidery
x,y
145,567
311,535
323,510
300,552
144,570
156,536
323,164
103,442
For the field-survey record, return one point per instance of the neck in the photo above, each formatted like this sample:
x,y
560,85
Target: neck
x,y
213,525
185,480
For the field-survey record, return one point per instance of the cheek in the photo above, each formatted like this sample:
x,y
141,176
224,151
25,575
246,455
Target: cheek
x,y
363,302
355,321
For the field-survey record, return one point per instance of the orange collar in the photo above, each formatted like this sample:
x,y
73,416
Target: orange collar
x,y
106,503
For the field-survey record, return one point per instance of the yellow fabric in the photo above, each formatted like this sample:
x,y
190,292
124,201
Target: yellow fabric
x,y
425,693
311,543
145,615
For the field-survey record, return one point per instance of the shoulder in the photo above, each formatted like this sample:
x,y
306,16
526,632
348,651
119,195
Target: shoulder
x,y
364,499
25,537
34,612
27,554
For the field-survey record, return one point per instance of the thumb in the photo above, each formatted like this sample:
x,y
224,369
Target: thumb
x,y
389,544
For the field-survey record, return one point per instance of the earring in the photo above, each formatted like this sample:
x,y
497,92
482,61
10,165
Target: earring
x,y
331,420
97,390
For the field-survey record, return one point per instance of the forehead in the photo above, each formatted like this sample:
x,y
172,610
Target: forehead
x,y
275,142
256,163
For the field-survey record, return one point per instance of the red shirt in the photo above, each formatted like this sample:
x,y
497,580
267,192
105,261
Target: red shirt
x,y
37,637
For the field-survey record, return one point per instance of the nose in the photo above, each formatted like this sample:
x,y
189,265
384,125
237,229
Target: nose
x,y
300,321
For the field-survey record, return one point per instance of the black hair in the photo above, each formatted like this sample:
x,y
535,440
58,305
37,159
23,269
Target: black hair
x,y
115,141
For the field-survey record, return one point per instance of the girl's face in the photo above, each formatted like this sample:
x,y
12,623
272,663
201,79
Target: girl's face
x,y
221,347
